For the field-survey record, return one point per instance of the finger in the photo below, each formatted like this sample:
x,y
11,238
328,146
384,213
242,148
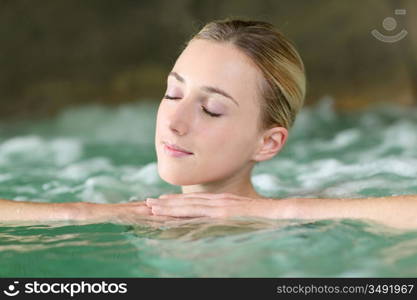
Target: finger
x,y
169,195
134,203
191,201
155,218
184,211
198,195
170,201
211,196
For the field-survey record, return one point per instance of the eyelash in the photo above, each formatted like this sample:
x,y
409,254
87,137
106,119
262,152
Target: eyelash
x,y
204,109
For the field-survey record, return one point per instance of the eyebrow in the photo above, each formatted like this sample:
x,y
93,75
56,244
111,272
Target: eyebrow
x,y
208,89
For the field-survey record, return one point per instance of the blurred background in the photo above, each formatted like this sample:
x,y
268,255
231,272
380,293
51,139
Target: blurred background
x,y
59,53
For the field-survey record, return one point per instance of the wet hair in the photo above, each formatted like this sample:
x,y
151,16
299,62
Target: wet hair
x,y
284,84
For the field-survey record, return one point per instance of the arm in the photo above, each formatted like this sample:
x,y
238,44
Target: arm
x,y
12,211
394,211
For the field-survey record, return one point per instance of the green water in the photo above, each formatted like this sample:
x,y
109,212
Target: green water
x,y
106,155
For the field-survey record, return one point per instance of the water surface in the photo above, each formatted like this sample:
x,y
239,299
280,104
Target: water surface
x,y
107,155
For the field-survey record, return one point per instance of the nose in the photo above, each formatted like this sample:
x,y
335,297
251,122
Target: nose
x,y
180,117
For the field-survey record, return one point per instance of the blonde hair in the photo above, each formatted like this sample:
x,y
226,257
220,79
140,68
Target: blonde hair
x,y
284,85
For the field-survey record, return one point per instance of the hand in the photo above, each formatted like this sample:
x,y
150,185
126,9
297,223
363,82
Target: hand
x,y
133,212
214,205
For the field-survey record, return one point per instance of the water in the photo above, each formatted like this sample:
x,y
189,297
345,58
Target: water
x,y
106,155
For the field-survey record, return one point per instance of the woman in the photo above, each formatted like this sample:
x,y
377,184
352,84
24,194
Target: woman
x,y
231,98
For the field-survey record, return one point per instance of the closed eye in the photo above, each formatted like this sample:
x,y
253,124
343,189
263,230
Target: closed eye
x,y
202,107
169,97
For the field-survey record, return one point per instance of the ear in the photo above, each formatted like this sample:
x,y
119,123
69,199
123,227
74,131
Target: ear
x,y
270,143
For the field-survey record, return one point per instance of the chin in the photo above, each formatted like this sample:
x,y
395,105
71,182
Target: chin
x,y
176,178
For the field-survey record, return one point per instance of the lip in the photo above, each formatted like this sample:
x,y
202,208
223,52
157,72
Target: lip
x,y
175,150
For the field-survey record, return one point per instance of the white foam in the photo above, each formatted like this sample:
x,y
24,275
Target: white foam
x,y
5,177
84,169
133,123
318,171
352,187
65,150
147,174
102,189
32,145
402,134
266,182
344,138
25,189
59,151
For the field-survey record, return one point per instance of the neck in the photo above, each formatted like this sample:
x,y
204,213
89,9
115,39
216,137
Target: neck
x,y
240,184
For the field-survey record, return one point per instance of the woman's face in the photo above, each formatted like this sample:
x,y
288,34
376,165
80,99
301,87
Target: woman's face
x,y
208,78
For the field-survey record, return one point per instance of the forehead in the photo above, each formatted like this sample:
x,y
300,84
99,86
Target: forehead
x,y
222,65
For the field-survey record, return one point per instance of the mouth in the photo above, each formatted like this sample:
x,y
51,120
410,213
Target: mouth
x,y
174,149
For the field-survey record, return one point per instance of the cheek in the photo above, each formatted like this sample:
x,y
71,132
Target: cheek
x,y
244,138
159,117
230,141
218,134
160,111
